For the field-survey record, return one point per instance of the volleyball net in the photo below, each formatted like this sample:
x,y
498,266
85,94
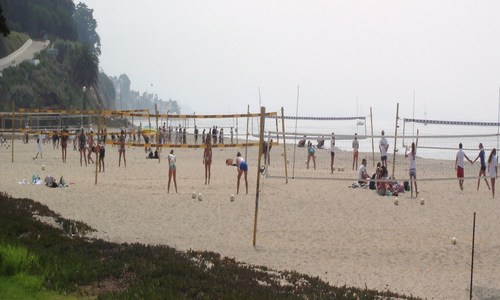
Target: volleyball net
x,y
438,144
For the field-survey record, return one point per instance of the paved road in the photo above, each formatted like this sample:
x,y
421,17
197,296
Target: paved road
x,y
26,52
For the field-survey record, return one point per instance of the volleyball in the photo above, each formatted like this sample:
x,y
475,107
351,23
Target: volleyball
x,y
193,195
43,167
396,202
232,198
453,240
200,197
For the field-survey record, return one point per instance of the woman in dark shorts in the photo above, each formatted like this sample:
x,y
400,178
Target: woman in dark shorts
x,y
81,146
242,166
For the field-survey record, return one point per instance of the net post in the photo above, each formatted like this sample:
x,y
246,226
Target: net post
x,y
373,143
259,157
97,154
395,140
248,120
284,142
157,131
472,257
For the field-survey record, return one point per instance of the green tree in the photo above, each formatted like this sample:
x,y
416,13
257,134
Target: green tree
x,y
4,29
85,66
86,27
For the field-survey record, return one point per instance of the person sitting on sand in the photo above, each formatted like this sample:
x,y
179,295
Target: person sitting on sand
x,y
363,177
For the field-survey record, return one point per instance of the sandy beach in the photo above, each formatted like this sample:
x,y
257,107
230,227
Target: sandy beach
x,y
318,227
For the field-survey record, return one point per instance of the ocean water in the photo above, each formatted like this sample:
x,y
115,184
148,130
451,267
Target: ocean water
x,y
435,141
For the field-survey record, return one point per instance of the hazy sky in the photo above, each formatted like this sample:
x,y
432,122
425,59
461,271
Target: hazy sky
x,y
212,56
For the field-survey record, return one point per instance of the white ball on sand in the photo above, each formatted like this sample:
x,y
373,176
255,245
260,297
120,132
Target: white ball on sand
x,y
194,195
396,202
43,167
232,198
453,240
200,197
422,202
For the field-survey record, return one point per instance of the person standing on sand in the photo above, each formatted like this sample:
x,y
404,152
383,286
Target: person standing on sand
x,y
121,148
311,152
242,167
482,169
207,157
102,153
412,166
493,169
355,151
332,151
459,166
39,146
383,146
82,140
64,143
172,170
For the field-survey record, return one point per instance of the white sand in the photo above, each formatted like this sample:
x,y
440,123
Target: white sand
x,y
317,227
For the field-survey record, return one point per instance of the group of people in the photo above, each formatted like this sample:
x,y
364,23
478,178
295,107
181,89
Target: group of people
x,y
380,180
241,166
492,166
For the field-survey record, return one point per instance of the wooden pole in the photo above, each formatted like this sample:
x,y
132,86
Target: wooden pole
x,y
395,140
295,134
472,259
98,144
373,143
261,142
284,143
246,141
157,132
13,114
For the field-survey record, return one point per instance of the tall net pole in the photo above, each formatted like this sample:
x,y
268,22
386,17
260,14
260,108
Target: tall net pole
x,y
395,141
261,142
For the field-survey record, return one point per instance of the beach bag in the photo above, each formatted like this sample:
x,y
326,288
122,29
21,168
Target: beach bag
x,y
407,186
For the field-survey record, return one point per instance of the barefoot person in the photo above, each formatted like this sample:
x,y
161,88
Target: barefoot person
x,y
64,143
412,166
172,170
482,169
242,167
363,177
207,158
102,153
121,148
459,166
383,146
332,152
355,152
82,140
311,153
493,169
